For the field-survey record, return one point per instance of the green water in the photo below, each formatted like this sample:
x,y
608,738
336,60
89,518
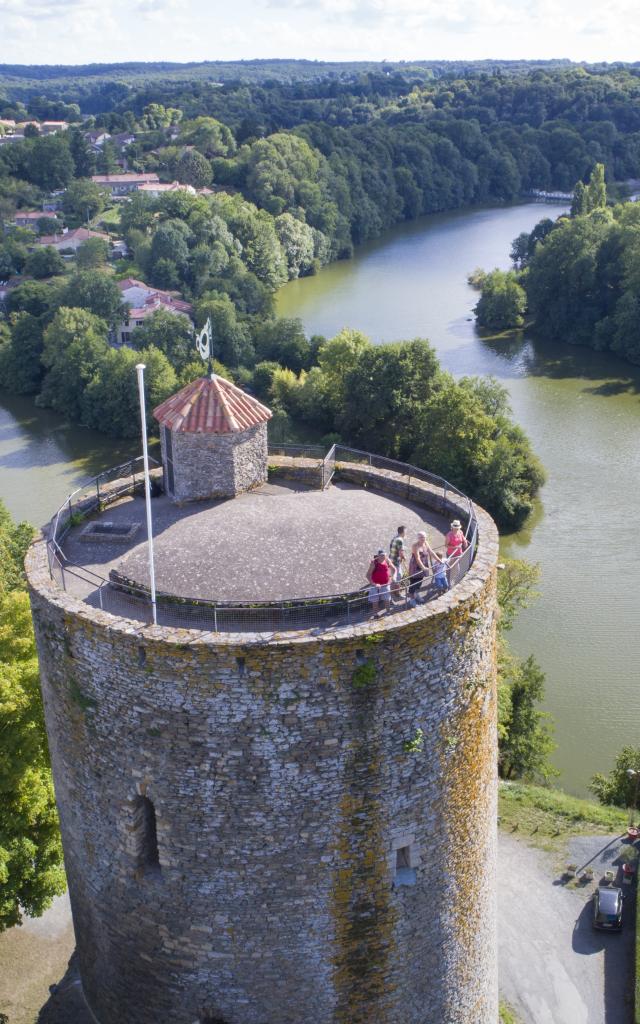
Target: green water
x,y
582,411
43,459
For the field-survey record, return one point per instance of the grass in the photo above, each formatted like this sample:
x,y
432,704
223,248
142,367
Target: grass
x,y
548,817
507,1016
109,218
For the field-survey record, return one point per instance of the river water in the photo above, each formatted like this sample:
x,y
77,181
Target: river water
x,y
581,409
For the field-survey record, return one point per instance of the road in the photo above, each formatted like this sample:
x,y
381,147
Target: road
x,y
554,968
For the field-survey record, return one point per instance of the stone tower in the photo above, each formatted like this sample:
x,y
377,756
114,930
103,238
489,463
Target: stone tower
x,y
281,826
214,440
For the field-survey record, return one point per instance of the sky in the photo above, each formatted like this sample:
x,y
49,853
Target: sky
x,y
85,31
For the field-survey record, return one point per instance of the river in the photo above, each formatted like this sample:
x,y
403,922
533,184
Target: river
x,y
582,412
581,409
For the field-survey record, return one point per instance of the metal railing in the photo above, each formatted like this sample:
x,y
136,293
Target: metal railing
x,y
125,599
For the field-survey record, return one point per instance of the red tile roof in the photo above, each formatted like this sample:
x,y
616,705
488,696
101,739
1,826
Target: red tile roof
x,y
211,405
78,234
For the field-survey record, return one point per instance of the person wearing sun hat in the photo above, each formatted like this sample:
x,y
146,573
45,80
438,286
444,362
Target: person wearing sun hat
x,y
455,540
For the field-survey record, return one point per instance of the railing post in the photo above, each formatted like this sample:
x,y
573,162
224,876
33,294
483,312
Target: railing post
x,y
64,582
215,619
100,597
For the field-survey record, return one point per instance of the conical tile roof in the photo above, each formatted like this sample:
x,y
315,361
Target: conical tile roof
x,y
211,405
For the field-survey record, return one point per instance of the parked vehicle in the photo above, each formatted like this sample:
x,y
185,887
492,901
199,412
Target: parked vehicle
x,y
607,908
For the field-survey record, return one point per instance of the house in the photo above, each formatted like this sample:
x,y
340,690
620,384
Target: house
x,y
144,301
119,249
8,125
30,218
70,239
6,287
97,137
51,127
54,201
123,139
123,184
156,189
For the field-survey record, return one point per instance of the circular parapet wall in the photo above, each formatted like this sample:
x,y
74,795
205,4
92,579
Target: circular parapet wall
x,y
284,828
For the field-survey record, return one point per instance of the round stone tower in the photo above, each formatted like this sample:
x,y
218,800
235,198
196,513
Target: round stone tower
x,y
282,827
214,440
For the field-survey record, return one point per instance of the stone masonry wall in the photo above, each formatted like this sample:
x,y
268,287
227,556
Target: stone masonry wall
x,y
217,465
285,771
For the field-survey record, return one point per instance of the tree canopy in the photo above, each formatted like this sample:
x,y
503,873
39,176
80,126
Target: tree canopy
x,y
31,871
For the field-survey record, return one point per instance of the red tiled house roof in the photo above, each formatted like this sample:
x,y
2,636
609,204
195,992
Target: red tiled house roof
x,y
211,405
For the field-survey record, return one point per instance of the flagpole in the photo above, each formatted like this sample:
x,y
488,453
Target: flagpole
x,y
140,368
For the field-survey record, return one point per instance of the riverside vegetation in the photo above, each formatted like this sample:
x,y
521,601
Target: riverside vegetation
x,y
578,277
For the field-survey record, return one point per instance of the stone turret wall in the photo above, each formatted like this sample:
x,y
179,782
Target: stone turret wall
x,y
215,465
285,773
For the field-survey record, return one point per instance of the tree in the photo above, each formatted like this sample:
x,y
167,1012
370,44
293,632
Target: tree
x,y
383,393
526,744
107,159
92,254
50,164
96,291
517,582
502,303
31,871
579,200
110,399
285,342
33,297
83,158
75,344
84,199
21,369
194,169
619,787
211,137
524,733
336,359
297,241
170,333
44,262
596,192
231,343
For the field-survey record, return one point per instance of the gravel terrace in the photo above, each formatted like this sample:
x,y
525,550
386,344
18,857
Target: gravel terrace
x,y
276,542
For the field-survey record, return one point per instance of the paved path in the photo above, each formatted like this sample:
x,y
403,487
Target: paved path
x,y
554,968
32,957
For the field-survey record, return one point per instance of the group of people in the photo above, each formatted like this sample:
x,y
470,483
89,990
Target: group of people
x,y
399,575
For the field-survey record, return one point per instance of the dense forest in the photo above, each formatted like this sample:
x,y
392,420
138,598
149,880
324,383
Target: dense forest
x,y
285,174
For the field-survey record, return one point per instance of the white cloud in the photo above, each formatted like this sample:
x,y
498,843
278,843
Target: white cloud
x,y
83,31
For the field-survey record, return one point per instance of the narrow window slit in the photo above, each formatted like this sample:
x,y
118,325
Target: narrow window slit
x,y
145,835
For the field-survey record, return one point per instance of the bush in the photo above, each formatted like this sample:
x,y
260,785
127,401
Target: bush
x,y
502,303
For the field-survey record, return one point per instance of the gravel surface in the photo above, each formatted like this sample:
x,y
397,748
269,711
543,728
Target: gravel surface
x,y
278,541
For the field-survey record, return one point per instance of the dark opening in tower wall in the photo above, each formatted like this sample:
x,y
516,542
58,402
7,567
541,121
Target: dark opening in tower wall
x,y
145,834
